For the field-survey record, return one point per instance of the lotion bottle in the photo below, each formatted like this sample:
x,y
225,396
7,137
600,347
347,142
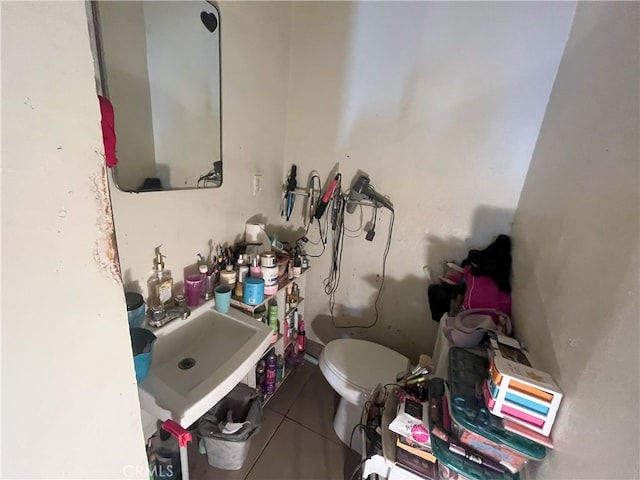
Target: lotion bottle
x,y
301,336
160,284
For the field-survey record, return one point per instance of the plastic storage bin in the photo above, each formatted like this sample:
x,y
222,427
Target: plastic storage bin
x,y
450,465
228,451
473,424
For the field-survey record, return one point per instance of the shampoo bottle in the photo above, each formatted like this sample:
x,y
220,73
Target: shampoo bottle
x,y
160,284
273,316
301,336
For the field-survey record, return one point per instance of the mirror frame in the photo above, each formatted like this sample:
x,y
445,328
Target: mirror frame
x,y
212,179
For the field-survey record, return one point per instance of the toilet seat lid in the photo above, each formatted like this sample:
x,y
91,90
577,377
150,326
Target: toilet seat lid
x,y
361,364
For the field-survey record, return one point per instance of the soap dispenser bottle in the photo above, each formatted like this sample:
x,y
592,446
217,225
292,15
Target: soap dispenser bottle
x,y
160,284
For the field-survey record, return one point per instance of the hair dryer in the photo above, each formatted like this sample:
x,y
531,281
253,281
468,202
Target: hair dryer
x,y
362,189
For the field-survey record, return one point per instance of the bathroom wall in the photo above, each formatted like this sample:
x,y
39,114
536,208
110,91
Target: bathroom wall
x,y
441,104
255,65
576,240
69,398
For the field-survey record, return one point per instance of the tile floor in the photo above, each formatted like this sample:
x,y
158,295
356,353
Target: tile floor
x,y
296,440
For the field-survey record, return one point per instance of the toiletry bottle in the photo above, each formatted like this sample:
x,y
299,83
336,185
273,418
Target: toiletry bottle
x,y
288,290
294,296
260,368
290,269
297,267
273,316
255,270
207,287
160,284
271,366
301,336
293,321
285,333
243,272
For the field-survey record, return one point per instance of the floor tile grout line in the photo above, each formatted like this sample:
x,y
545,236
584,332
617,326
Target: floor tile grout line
x,y
318,433
298,393
266,444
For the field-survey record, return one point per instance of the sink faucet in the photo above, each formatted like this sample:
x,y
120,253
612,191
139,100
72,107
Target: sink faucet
x,y
160,317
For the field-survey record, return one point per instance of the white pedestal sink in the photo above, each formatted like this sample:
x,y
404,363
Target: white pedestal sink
x,y
197,361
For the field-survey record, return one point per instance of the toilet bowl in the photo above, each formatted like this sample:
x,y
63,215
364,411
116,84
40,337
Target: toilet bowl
x,y
354,368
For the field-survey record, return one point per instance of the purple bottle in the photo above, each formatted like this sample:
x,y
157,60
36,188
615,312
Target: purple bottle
x,y
271,367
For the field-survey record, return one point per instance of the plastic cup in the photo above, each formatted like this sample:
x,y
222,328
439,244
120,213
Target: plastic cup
x,y
222,295
193,289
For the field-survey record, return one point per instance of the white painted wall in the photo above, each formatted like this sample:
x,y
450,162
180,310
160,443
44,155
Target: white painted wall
x,y
255,65
576,240
441,103
69,397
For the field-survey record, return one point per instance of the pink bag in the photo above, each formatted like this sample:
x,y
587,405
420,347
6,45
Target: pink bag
x,y
482,292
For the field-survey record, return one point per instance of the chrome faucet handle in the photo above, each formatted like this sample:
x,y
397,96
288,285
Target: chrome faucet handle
x,y
156,316
160,317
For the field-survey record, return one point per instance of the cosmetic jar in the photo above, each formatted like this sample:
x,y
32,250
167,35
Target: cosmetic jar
x,y
270,275
228,277
253,291
267,259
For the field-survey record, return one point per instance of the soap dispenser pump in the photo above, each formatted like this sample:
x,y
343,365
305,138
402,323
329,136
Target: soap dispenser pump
x,y
160,284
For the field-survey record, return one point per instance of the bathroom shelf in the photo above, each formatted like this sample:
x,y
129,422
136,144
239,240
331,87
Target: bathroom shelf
x,y
284,314
282,284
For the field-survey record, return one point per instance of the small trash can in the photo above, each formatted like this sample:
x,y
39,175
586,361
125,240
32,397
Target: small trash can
x,y
228,427
142,345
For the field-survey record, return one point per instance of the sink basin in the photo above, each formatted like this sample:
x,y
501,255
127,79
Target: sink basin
x,y
197,361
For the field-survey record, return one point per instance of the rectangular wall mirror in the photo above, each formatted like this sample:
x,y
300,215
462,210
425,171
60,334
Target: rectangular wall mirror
x,y
159,66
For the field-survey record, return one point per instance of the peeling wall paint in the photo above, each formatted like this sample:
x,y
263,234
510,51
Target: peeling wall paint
x,y
106,249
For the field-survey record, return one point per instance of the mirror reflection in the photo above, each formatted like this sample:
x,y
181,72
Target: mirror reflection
x,y
159,66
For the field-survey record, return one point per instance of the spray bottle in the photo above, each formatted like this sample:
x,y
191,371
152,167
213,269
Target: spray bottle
x,y
271,367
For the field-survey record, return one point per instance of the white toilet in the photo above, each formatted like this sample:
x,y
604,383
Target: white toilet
x,y
354,368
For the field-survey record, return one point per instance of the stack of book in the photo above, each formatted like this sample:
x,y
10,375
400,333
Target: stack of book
x,y
413,443
527,399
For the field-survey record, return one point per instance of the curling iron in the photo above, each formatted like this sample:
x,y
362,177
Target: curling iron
x,y
326,198
290,195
